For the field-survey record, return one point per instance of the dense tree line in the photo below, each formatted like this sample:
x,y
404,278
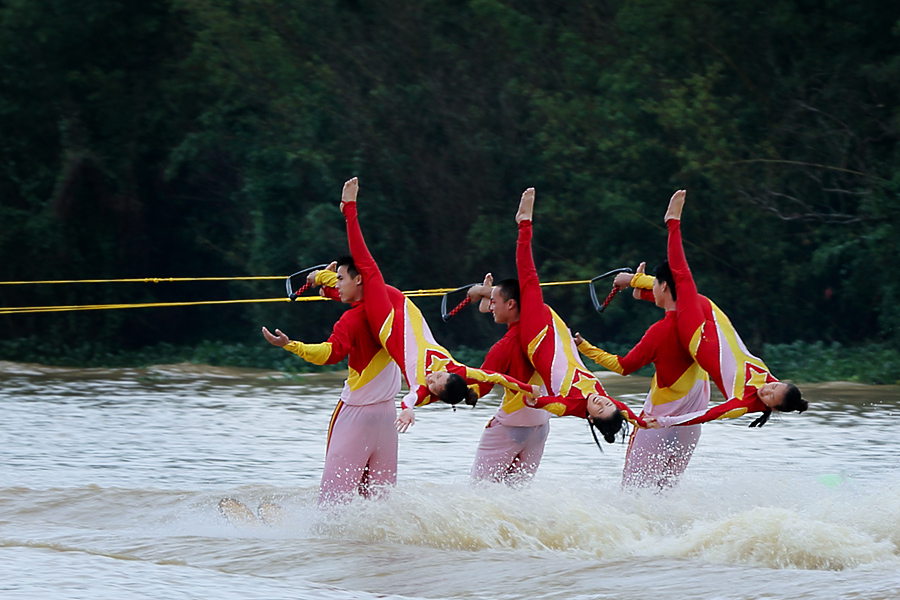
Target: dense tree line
x,y
172,138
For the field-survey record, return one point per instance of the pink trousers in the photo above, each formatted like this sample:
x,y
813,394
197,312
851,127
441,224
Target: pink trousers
x,y
362,451
509,454
657,457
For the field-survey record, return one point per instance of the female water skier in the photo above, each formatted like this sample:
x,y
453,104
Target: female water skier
x,y
430,371
574,391
707,333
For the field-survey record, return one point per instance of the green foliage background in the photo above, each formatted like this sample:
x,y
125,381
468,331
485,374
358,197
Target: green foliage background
x,y
176,138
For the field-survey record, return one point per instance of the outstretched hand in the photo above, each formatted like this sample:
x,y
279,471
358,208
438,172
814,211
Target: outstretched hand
x,y
578,339
278,339
405,419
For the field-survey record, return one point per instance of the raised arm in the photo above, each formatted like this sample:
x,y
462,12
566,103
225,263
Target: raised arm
x,y
362,258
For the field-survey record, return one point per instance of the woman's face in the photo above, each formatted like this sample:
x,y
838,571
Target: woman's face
x,y
600,407
772,394
436,380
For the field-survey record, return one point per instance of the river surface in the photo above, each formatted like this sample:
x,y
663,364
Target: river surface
x,y
110,480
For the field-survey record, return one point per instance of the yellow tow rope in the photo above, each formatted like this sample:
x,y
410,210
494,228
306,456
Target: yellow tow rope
x,y
69,308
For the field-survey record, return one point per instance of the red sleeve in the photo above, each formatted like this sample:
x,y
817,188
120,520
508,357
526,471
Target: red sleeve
x,y
648,296
629,414
423,396
378,301
330,292
644,353
722,410
497,360
341,338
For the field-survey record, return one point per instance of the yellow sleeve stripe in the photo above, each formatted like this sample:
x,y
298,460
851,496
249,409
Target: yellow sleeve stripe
x,y
601,357
513,401
317,354
733,414
557,408
326,278
533,344
642,281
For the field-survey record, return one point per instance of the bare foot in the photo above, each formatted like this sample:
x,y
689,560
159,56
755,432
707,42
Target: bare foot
x,y
526,206
348,194
270,513
676,204
236,512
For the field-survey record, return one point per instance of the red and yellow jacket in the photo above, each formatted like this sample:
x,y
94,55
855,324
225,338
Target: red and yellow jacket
x,y
373,376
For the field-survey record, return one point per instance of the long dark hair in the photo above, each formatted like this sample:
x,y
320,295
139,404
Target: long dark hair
x,y
607,427
456,390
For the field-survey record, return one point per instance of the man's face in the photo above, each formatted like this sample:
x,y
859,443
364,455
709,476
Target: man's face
x,y
661,293
505,311
350,288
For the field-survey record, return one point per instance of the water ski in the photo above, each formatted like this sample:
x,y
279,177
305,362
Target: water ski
x,y
237,513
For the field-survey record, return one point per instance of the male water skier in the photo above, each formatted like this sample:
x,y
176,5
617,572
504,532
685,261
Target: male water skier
x,y
547,342
658,457
361,451
707,333
512,443
430,371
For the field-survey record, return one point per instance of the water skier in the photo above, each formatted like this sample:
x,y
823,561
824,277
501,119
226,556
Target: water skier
x,y
361,451
548,343
512,443
430,371
658,457
707,333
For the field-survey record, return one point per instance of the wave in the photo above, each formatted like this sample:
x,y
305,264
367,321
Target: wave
x,y
776,524
839,531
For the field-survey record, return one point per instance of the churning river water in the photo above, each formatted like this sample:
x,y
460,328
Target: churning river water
x,y
110,480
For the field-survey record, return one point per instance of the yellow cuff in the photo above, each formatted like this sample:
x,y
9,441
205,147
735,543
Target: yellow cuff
x,y
326,278
317,354
642,281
